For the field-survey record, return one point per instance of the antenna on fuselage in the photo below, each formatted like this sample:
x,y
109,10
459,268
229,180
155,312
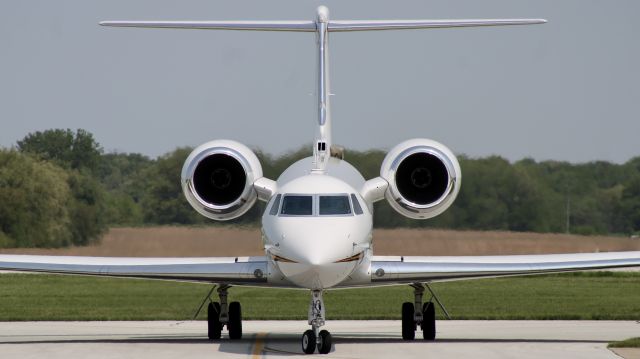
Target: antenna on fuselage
x,y
322,26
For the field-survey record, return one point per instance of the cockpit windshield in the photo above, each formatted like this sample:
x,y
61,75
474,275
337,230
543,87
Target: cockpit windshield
x,y
297,205
314,205
334,205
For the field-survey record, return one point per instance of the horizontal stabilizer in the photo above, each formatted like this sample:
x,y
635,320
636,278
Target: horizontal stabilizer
x,y
363,25
310,26
219,25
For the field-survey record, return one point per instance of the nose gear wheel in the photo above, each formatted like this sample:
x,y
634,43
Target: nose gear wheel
x,y
315,338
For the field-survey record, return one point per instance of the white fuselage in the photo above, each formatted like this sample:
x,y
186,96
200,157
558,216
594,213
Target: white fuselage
x,y
317,243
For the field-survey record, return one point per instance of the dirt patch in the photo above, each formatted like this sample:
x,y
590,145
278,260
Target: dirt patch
x,y
165,242
447,242
225,241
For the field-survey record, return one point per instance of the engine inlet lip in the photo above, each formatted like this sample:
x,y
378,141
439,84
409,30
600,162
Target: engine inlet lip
x,y
410,205
217,151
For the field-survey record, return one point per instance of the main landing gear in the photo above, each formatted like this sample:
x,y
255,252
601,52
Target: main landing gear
x,y
220,314
417,313
314,337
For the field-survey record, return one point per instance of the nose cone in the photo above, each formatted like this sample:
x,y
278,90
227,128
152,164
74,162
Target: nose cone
x,y
313,255
313,258
318,250
316,244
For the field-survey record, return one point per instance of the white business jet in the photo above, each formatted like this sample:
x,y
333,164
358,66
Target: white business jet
x,y
317,225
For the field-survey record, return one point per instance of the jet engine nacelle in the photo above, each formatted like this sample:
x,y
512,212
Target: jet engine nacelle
x,y
217,179
423,176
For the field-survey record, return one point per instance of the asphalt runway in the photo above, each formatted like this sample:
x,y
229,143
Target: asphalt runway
x,y
352,339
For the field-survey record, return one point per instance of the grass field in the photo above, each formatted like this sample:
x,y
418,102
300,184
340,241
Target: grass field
x,y
628,343
593,295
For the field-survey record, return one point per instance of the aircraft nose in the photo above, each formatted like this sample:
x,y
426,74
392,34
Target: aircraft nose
x,y
316,250
316,268
314,258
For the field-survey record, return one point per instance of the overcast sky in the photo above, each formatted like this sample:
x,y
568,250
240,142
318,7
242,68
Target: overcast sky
x,y
566,90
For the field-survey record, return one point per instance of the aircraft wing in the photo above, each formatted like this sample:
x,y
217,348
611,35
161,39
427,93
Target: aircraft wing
x,y
400,270
228,270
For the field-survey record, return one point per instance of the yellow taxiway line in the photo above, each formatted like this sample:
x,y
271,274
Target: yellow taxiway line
x,y
258,346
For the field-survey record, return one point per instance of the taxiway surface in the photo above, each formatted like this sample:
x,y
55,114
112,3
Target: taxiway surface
x,y
352,339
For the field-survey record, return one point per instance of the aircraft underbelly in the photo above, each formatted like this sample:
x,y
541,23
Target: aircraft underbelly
x,y
316,276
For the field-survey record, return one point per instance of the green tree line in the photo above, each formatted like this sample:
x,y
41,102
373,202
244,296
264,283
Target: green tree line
x,y
58,187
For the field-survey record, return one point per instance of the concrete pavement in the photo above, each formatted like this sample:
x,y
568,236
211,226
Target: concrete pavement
x,y
352,339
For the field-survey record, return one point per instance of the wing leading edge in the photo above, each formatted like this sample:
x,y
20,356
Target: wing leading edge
x,y
401,270
229,270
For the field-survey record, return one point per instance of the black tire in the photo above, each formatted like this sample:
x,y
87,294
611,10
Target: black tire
x,y
309,342
214,327
235,321
428,321
324,347
408,324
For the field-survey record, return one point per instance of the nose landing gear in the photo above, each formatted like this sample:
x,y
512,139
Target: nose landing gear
x,y
314,337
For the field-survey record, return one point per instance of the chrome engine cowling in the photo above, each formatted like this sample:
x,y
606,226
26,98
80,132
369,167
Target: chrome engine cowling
x,y
424,178
217,179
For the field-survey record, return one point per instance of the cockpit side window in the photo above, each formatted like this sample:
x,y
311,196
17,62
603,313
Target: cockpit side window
x,y
297,205
275,205
357,209
334,205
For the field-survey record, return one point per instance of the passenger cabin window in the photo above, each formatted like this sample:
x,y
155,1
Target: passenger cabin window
x,y
357,209
334,205
276,204
293,205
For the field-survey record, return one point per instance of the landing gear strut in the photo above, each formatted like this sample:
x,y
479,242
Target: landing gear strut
x,y
314,337
220,314
417,313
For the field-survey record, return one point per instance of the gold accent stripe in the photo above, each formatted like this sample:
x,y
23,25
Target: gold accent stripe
x,y
282,259
353,258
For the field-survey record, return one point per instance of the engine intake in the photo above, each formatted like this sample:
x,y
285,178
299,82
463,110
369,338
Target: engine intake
x,y
218,177
424,178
